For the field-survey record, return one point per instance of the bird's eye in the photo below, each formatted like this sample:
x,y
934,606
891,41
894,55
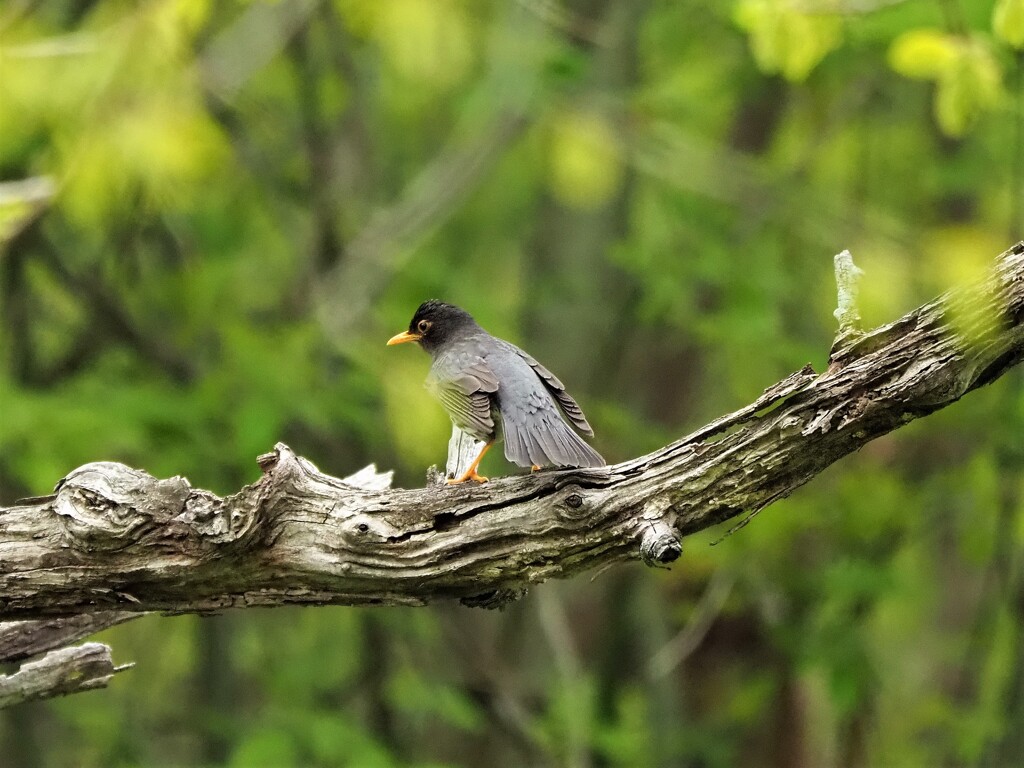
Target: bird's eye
x,y
423,326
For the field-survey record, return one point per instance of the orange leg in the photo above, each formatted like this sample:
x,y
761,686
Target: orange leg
x,y
535,467
470,474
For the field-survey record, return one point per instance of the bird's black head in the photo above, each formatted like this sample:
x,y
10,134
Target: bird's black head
x,y
434,324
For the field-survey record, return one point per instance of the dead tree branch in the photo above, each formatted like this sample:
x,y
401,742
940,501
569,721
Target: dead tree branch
x,y
58,673
20,640
115,538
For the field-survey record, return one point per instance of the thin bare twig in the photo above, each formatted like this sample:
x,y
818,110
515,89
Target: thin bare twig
x,y
689,638
386,242
555,626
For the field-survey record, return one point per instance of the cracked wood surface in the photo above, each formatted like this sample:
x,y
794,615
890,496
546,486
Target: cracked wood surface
x,y
115,538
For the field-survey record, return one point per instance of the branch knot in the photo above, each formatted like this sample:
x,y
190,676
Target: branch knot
x,y
659,541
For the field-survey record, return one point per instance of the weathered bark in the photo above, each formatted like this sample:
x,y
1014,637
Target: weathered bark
x,y
112,537
20,640
58,673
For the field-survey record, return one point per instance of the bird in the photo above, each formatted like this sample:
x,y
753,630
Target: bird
x,y
491,388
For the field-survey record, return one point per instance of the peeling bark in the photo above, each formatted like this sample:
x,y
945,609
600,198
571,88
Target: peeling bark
x,y
115,538
21,640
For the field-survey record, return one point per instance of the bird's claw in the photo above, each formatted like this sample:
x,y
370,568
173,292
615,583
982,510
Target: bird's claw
x,y
468,476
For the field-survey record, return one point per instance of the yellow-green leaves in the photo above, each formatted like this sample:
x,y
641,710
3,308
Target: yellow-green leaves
x,y
967,76
585,162
159,150
116,107
428,42
922,53
786,40
968,88
1008,22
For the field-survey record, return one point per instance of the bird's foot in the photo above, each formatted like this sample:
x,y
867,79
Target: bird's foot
x,y
470,475
535,468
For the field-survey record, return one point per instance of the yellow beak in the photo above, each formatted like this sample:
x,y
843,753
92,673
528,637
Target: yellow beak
x,y
404,336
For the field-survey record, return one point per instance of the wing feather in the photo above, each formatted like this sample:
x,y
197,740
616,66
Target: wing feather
x,y
565,401
547,442
464,385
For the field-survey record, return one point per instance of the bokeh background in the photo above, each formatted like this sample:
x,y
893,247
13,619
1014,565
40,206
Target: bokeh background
x,y
213,214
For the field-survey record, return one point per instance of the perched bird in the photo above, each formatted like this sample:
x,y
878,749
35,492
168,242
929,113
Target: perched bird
x,y
489,386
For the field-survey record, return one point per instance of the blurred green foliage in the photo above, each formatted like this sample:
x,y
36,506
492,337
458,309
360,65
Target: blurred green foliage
x,y
212,215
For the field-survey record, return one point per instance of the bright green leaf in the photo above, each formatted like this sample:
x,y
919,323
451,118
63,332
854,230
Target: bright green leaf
x,y
1008,22
966,89
425,41
785,40
922,53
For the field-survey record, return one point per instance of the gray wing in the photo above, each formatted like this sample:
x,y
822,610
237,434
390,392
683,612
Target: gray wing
x,y
464,384
565,401
536,434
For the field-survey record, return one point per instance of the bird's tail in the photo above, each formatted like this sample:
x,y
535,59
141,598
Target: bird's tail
x,y
550,442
